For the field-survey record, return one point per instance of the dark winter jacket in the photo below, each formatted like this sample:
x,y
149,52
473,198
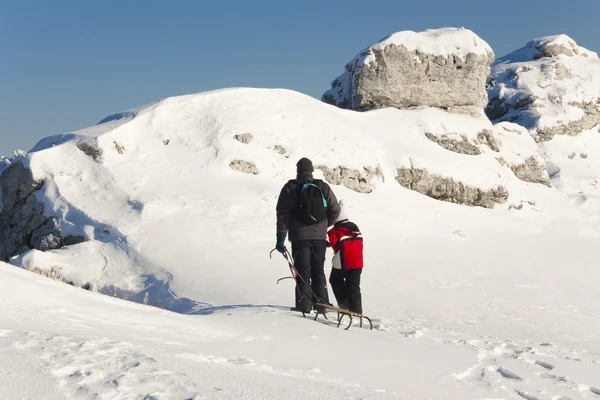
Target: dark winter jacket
x,y
347,243
288,203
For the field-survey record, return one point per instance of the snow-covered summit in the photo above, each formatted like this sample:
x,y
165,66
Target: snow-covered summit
x,y
551,86
443,42
546,46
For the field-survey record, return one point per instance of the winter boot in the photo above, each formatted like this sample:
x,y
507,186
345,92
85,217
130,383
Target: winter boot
x,y
344,305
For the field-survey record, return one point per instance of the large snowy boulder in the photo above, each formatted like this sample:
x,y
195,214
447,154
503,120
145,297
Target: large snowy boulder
x,y
444,68
551,87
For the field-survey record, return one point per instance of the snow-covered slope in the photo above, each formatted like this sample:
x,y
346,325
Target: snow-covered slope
x,y
165,204
178,203
450,330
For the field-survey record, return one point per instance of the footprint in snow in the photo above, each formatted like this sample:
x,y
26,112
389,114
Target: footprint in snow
x,y
556,378
460,234
102,368
525,395
507,374
384,325
545,365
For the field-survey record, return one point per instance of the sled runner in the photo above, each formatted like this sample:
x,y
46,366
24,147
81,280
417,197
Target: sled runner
x,y
341,313
319,306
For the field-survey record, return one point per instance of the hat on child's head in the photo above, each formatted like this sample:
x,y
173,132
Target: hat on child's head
x,y
343,212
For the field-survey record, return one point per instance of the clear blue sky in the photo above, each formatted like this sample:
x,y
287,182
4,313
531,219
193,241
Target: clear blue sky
x,y
65,65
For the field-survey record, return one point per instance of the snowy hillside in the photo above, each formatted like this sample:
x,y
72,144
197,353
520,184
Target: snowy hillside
x,y
178,202
457,324
163,198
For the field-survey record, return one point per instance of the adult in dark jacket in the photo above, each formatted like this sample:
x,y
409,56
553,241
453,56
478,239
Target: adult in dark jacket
x,y
309,242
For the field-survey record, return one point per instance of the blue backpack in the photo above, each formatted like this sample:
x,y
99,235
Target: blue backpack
x,y
312,206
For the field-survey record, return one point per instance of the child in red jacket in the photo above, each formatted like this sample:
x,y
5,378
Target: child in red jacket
x,y
347,243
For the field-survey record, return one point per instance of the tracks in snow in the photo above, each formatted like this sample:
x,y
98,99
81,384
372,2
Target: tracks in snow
x,y
513,368
523,370
100,368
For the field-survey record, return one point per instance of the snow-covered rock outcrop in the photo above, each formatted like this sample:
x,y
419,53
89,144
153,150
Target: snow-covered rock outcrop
x,y
23,225
551,87
444,68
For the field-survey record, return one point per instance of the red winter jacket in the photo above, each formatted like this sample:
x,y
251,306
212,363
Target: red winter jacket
x,y
347,243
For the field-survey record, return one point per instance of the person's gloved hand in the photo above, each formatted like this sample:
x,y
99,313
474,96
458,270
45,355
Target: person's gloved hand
x,y
280,246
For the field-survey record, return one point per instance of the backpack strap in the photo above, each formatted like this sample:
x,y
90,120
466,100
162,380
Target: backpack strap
x,y
315,184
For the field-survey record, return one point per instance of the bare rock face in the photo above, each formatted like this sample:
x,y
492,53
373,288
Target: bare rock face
x,y
23,225
280,149
47,237
353,179
552,46
120,148
532,171
247,167
561,72
519,152
52,273
590,118
487,138
88,149
444,68
463,144
244,137
447,189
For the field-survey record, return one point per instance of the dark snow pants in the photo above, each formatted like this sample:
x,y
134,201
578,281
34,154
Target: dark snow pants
x,y
309,260
346,288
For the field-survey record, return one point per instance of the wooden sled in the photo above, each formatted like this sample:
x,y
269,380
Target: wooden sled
x,y
341,313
